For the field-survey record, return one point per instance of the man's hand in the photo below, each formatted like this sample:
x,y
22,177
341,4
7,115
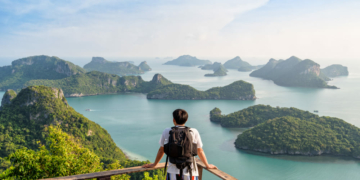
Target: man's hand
x,y
152,165
210,166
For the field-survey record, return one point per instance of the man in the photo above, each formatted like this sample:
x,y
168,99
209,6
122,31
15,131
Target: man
x,y
180,117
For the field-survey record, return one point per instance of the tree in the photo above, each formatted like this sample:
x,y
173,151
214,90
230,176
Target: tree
x,y
61,156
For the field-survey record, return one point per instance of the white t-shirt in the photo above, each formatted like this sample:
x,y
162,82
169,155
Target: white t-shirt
x,y
172,167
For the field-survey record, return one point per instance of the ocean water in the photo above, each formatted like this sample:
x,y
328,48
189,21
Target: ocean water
x,y
136,123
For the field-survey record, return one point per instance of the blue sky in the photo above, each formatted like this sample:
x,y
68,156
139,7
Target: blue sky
x,y
139,28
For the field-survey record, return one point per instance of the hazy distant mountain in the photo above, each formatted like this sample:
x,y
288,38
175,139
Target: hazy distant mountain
x,y
187,60
293,72
122,68
335,70
220,71
213,66
144,66
35,67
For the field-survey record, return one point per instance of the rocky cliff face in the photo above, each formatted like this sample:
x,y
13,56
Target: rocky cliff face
x,y
8,97
313,69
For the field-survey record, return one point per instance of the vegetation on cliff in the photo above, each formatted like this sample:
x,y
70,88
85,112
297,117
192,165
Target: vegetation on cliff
x,y
309,136
120,68
25,121
335,70
35,67
293,72
239,90
187,60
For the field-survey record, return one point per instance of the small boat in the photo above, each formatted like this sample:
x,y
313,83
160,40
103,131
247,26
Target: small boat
x,y
316,111
87,109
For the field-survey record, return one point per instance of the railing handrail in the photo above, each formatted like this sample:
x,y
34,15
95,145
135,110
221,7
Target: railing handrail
x,y
105,175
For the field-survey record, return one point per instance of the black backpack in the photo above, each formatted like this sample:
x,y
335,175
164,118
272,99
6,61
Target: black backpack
x,y
180,149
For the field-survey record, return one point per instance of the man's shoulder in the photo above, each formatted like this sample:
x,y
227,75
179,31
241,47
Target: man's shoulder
x,y
194,130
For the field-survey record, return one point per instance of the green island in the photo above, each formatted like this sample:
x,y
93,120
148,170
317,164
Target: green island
x,y
187,60
95,83
25,119
239,64
293,72
220,71
35,67
335,70
238,90
291,131
120,68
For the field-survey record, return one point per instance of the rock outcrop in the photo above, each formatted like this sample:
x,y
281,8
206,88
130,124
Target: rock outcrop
x,y
8,97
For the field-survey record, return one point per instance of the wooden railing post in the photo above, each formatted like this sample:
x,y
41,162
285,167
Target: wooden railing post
x,y
200,170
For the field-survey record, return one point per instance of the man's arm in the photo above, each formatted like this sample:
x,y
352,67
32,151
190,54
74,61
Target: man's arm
x,y
159,156
202,156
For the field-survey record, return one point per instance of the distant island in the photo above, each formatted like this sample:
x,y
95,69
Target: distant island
x,y
238,90
213,66
95,83
36,67
187,60
219,71
239,64
291,131
293,72
335,70
121,68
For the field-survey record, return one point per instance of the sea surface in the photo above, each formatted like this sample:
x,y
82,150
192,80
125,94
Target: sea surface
x,y
136,123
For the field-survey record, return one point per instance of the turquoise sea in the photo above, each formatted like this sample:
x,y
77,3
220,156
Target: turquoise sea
x,y
135,123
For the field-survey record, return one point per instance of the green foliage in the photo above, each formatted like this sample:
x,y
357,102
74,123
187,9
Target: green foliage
x,y
23,123
293,72
35,67
257,114
215,115
121,68
187,60
61,156
147,177
239,90
308,136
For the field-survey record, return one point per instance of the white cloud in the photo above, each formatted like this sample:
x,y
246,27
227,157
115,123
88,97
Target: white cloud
x,y
171,28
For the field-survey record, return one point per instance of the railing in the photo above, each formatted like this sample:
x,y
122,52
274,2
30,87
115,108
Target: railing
x,y
105,175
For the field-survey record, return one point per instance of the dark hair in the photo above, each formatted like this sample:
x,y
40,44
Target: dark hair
x,y
180,116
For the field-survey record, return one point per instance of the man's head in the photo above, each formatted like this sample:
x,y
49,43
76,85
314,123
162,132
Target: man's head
x,y
180,116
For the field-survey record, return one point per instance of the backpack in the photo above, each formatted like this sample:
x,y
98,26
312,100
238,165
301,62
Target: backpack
x,y
180,149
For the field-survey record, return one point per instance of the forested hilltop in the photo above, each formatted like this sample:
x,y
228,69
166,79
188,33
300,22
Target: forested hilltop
x,y
120,68
255,115
291,131
240,65
293,72
25,117
35,67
